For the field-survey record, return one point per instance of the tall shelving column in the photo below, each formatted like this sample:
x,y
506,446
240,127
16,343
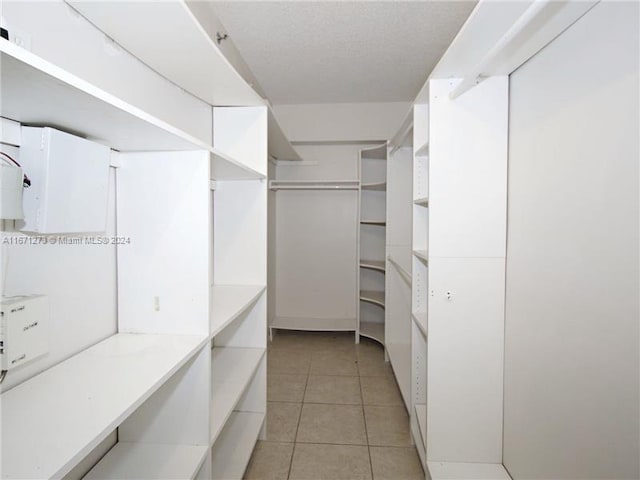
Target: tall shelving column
x,y
238,368
420,285
371,243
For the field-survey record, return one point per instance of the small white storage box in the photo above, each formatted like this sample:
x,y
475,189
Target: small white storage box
x,y
69,182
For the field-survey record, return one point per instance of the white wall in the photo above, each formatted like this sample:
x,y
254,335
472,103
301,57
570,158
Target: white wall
x,y
341,122
572,329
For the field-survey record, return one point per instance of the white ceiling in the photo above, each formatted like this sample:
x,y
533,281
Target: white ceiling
x,y
340,52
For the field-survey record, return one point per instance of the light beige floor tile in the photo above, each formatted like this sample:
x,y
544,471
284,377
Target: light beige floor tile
x,y
331,362
373,366
333,389
381,390
285,388
387,426
338,424
270,461
368,347
330,462
288,361
282,421
392,463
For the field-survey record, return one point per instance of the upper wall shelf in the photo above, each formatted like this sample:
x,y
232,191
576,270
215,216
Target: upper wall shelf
x,y
56,418
36,92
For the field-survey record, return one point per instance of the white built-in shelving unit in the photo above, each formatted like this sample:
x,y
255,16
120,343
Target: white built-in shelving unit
x,y
371,243
183,381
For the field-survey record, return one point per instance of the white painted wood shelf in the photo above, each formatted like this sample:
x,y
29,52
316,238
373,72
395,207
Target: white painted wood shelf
x,y
36,92
421,415
406,276
378,265
467,471
313,324
377,187
374,223
228,302
313,185
423,201
232,451
374,331
232,369
422,255
420,319
372,296
56,418
423,149
149,461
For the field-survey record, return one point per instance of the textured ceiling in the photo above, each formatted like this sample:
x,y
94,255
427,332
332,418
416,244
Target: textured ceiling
x,y
335,52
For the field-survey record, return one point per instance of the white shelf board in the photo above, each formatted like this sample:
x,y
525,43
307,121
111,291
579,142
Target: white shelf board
x,y
420,319
372,296
373,222
423,149
373,265
174,44
423,201
232,451
149,461
422,255
421,416
406,276
231,372
313,185
36,92
378,187
374,331
314,324
279,146
467,471
52,421
229,301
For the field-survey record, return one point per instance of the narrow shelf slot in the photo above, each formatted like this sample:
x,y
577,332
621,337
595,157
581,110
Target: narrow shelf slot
x,y
378,265
372,296
149,461
420,319
369,222
374,331
423,201
423,149
232,369
406,276
232,451
378,187
104,383
422,255
228,302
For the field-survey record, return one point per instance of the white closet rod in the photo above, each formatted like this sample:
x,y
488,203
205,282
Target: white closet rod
x,y
321,185
406,276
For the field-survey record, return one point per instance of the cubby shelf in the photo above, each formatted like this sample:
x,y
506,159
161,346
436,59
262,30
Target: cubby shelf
x,y
378,265
420,319
374,331
57,417
422,255
149,461
372,296
228,302
378,187
232,451
36,92
231,372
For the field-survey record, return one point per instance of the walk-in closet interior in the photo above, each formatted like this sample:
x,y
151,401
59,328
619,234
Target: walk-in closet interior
x,y
308,240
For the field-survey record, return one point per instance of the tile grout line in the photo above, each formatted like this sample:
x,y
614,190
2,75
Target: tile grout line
x,y
364,418
295,436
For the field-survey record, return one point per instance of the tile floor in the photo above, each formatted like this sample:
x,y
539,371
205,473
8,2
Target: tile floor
x,y
334,412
